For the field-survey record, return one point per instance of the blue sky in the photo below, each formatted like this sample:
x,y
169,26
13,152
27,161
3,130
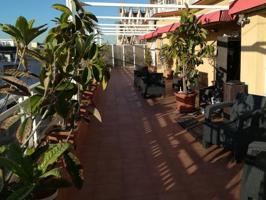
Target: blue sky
x,y
42,12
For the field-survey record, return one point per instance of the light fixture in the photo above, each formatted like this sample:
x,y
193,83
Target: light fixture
x,y
242,20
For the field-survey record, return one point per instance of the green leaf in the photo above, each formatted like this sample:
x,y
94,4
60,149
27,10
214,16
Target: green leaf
x,y
24,129
62,107
13,167
92,51
12,30
95,112
86,76
90,16
78,22
21,192
62,86
21,85
62,8
74,169
35,102
104,82
96,73
16,154
36,155
52,155
2,149
53,172
7,123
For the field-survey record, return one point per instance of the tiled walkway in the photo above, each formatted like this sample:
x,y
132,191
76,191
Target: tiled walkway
x,y
141,153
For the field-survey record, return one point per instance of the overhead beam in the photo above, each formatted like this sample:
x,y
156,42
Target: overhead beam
x,y
130,25
117,34
138,18
126,28
139,5
126,32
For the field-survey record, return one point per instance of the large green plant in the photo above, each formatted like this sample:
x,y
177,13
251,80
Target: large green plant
x,y
71,62
148,58
188,45
166,57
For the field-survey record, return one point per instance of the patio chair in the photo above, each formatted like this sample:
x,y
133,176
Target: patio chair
x,y
254,173
212,93
152,85
139,74
236,132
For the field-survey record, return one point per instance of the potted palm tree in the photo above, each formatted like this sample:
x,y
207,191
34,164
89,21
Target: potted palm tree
x,y
188,46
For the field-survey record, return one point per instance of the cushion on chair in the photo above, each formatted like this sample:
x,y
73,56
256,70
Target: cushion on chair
x,y
243,104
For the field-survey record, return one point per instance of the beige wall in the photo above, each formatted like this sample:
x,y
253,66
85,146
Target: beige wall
x,y
253,54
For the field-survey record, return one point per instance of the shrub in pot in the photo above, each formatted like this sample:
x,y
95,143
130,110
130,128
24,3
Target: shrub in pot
x,y
188,46
167,61
148,60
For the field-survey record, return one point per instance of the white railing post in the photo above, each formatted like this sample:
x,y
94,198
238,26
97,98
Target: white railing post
x,y
123,52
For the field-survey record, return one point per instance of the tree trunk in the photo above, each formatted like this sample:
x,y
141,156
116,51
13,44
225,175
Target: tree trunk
x,y
184,81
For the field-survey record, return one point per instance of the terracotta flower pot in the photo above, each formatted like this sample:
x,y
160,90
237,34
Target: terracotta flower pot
x,y
185,102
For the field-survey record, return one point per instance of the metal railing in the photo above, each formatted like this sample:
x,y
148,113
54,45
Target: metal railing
x,y
39,125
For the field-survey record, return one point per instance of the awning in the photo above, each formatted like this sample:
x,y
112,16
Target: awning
x,y
174,27
148,36
245,5
215,17
141,37
164,29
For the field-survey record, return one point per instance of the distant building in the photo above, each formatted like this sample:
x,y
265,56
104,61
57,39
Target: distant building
x,y
7,42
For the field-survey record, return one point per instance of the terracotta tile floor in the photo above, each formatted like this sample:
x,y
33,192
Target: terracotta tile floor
x,y
141,153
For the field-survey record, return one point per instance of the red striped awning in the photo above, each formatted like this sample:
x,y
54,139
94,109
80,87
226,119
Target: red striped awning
x,y
174,27
215,17
164,29
148,36
141,37
245,5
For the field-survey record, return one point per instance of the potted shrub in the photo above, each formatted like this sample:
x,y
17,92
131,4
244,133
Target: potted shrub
x,y
167,61
188,46
148,60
